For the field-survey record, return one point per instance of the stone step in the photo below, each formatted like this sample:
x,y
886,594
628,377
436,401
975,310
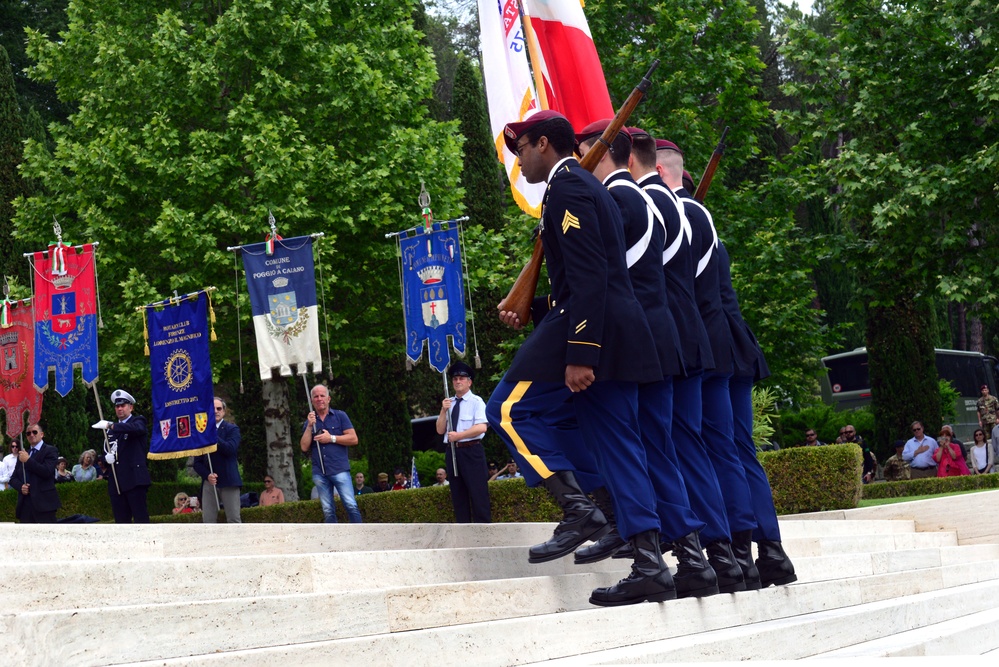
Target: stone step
x,y
54,584
110,541
776,623
92,635
974,634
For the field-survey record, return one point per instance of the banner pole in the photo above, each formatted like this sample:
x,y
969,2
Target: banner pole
x,y
315,427
450,427
107,444
215,487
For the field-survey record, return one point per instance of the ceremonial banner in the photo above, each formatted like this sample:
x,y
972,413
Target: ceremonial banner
x,y
574,79
183,399
17,344
433,295
282,290
65,307
509,89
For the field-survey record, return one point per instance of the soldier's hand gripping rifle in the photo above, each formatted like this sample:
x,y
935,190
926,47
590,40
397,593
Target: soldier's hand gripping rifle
x,y
522,293
709,171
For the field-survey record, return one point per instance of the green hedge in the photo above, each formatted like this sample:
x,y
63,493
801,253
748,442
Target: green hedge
x,y
812,479
512,501
930,486
91,498
802,480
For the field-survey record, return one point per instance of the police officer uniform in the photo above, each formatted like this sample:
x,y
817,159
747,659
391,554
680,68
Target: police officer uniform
x,y
129,481
469,483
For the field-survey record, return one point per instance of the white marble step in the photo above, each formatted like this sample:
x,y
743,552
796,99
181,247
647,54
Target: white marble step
x,y
93,635
104,541
776,623
813,634
54,584
974,634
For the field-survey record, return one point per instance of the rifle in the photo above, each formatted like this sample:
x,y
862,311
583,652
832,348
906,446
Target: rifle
x,y
521,295
709,171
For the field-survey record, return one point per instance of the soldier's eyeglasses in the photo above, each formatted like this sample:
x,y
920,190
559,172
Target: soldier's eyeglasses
x,y
520,147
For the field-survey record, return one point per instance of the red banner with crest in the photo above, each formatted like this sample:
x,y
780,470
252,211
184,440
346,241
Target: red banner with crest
x,y
17,345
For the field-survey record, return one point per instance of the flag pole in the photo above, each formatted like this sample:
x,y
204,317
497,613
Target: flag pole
x,y
215,487
107,444
450,426
315,427
534,51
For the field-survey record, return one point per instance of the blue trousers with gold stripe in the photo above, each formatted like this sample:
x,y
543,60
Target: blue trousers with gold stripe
x,y
605,450
699,475
718,432
655,411
741,391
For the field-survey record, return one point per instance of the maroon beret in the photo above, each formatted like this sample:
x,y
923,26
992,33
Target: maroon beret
x,y
596,129
514,131
664,145
637,132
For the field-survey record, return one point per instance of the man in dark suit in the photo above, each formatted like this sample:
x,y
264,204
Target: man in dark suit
x,y
581,366
220,471
128,444
34,478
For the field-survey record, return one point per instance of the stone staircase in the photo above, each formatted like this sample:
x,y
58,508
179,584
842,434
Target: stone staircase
x,y
892,581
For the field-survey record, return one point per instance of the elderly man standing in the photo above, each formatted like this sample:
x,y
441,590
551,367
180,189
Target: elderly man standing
x,y
129,445
34,479
326,435
918,453
220,471
469,484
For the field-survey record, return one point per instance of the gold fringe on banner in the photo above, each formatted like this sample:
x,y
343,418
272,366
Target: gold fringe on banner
x,y
211,316
145,331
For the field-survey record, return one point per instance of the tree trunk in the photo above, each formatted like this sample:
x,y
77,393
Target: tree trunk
x,y
976,335
962,326
904,385
280,452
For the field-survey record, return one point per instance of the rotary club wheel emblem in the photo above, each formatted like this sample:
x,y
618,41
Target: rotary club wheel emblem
x,y
179,372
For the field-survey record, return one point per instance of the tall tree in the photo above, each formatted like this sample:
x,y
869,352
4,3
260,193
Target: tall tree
x,y
47,17
710,78
898,134
11,185
196,119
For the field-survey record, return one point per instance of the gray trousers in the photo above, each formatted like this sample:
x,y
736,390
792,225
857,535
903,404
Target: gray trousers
x,y
230,502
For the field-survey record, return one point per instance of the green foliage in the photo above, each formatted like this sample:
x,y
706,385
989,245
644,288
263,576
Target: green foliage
x,y
11,185
710,78
196,120
827,421
812,479
764,403
948,401
931,485
427,464
512,502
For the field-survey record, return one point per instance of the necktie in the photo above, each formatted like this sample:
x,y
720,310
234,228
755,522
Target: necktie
x,y
455,411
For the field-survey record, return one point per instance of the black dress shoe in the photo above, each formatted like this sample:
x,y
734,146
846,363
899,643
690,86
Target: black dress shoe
x,y
730,579
742,548
775,567
582,521
694,577
609,543
649,581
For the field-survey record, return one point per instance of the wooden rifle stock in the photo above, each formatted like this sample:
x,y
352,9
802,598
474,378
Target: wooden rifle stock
x,y
709,171
521,295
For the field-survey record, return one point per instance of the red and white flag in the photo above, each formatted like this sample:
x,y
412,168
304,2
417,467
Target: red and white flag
x,y
509,89
574,79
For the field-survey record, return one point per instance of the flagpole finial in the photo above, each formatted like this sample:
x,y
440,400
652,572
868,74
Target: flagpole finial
x,y
57,229
424,199
272,222
6,288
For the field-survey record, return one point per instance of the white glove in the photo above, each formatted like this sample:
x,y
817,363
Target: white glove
x,y
102,425
109,457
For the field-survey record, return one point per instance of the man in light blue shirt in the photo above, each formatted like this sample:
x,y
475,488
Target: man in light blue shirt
x,y
918,452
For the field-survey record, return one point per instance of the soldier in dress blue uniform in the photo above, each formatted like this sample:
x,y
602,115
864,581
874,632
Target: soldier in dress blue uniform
x,y
774,566
129,480
735,355
592,347
679,265
645,237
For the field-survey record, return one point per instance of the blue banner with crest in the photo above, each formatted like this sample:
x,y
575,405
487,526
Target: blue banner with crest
x,y
433,294
183,394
